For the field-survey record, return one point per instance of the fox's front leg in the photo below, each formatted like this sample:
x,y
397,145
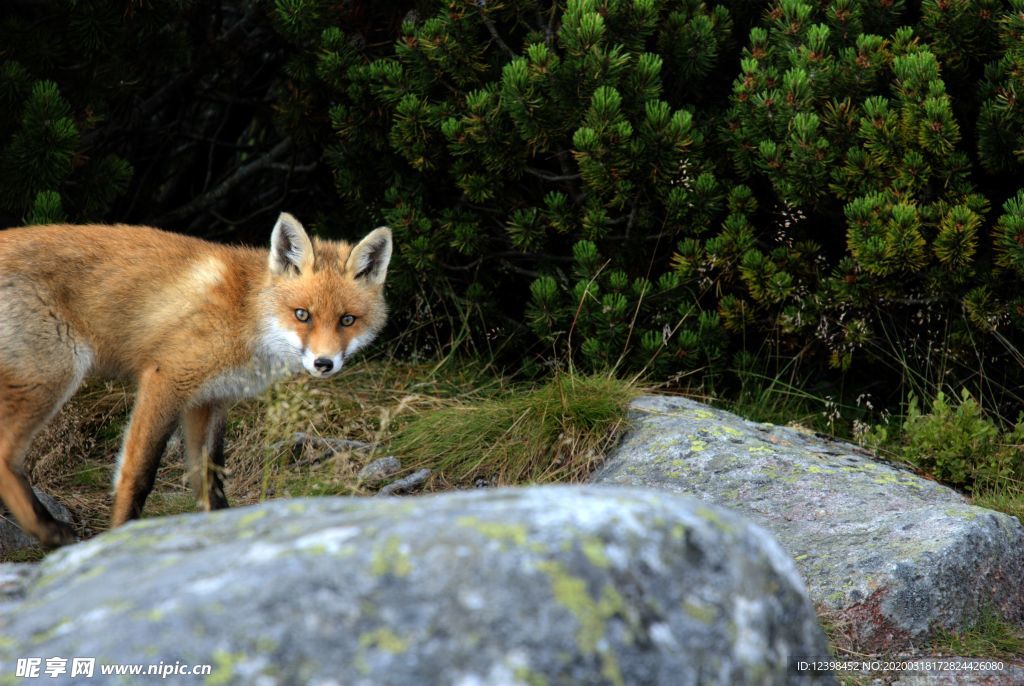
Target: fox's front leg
x,y
204,454
157,405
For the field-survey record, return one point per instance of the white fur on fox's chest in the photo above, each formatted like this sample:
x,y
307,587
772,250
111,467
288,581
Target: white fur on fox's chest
x,y
276,356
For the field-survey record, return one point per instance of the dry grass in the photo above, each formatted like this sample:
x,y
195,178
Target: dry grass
x,y
560,429
73,457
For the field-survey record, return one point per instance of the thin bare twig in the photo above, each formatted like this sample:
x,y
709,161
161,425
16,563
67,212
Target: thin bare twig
x,y
550,33
540,174
293,167
494,34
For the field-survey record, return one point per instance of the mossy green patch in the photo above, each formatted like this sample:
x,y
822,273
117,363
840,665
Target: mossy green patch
x,y
384,639
251,517
663,445
529,677
119,606
886,479
705,614
223,667
389,558
591,615
153,615
118,536
714,519
34,554
593,548
265,645
966,515
316,549
499,531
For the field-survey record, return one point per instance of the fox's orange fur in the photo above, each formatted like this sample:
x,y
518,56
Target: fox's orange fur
x,y
195,325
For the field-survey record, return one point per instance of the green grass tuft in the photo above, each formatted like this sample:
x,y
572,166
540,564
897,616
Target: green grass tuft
x,y
556,432
1004,498
990,637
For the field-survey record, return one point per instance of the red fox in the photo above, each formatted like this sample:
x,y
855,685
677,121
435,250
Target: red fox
x,y
195,325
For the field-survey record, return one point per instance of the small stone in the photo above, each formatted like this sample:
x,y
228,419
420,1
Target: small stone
x,y
380,469
13,539
408,483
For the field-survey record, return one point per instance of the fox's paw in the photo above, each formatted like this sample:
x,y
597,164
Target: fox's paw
x,y
56,533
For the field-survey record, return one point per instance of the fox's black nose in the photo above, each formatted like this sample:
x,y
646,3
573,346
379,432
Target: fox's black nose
x,y
323,364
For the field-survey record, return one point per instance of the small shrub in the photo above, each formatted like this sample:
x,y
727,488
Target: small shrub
x,y
957,443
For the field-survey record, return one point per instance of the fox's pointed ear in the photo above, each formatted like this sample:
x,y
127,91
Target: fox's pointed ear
x,y
369,259
290,248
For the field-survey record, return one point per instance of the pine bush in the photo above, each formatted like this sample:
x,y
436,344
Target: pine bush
x,y
581,170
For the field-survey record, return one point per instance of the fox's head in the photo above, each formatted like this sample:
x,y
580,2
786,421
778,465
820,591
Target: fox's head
x,y
325,299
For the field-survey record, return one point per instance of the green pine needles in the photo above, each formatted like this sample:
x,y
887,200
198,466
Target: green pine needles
x,y
40,149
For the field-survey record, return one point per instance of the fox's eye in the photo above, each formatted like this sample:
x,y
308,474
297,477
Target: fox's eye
x,y
302,315
348,320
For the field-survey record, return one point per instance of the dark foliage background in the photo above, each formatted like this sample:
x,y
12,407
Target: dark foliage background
x,y
707,192
182,114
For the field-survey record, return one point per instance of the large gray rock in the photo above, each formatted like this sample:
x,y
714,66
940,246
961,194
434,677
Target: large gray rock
x,y
889,555
558,585
13,540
